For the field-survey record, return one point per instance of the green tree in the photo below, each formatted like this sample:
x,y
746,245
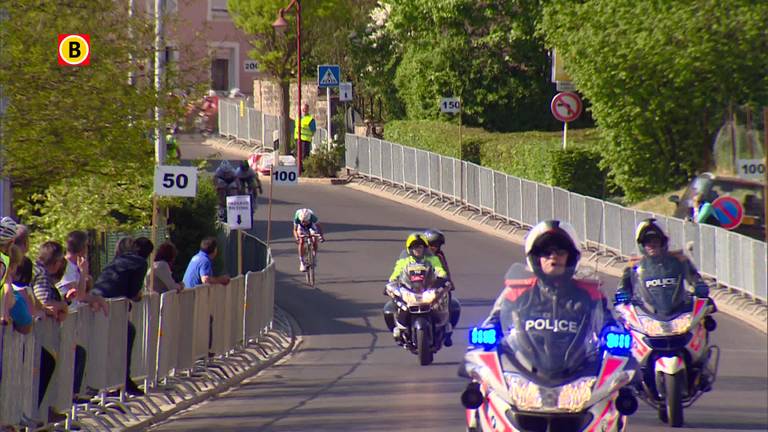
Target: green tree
x,y
660,76
276,53
76,141
487,52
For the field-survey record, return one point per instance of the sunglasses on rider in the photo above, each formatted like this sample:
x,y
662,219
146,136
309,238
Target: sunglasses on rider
x,y
553,250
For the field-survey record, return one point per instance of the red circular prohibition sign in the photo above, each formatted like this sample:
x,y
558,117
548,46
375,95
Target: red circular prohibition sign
x,y
566,106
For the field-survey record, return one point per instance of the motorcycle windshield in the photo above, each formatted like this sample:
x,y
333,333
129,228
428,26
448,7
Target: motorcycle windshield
x,y
543,343
662,291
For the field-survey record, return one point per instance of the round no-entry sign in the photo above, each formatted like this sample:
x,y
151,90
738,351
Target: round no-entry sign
x,y
566,106
728,211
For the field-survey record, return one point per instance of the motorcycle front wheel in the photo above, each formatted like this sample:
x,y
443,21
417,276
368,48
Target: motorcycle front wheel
x,y
674,399
423,346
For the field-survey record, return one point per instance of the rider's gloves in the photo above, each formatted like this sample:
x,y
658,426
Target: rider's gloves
x,y
621,297
701,289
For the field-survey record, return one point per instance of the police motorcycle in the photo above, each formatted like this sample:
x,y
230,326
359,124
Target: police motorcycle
x,y
421,319
571,381
670,342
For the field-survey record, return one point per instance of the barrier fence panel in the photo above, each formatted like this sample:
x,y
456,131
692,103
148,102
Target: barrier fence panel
x,y
560,204
544,206
386,160
485,182
375,152
578,214
434,173
734,259
529,203
722,253
398,166
170,328
704,254
59,340
676,233
18,391
254,117
409,166
760,254
472,185
612,229
447,177
253,319
350,151
118,342
237,311
422,169
202,322
243,127
232,116
185,320
627,231
363,152
500,194
217,308
515,198
594,220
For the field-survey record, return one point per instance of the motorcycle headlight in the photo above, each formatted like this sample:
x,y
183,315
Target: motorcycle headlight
x,y
574,397
408,296
523,393
413,298
428,296
679,325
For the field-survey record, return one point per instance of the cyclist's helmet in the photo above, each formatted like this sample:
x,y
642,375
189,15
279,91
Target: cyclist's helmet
x,y
305,215
434,237
547,234
414,240
8,229
647,229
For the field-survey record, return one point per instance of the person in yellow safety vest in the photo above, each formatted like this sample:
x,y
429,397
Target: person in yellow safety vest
x,y
305,130
7,235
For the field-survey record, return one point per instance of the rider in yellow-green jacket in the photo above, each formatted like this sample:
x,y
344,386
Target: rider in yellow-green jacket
x,y
416,245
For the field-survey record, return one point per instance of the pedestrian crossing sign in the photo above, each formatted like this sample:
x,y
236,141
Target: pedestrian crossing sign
x,y
328,76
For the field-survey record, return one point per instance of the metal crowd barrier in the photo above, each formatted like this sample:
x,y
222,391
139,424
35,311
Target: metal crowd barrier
x,y
253,129
173,332
734,260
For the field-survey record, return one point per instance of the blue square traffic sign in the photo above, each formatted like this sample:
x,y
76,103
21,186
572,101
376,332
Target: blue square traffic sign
x,y
328,76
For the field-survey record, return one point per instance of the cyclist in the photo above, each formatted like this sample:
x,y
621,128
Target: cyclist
x,y
306,223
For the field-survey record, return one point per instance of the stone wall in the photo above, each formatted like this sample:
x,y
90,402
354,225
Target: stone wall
x,y
266,98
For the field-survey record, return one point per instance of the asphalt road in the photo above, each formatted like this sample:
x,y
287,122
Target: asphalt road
x,y
349,375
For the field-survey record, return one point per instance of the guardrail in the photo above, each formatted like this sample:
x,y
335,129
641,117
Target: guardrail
x,y
254,128
173,332
733,260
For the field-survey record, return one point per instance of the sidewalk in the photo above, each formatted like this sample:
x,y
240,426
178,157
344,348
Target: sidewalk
x,y
196,146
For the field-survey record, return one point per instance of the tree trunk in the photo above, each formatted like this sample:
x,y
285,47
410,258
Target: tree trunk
x,y
285,106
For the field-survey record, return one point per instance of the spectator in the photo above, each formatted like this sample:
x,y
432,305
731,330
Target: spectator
x,y
125,244
124,277
21,312
73,283
163,278
200,268
50,260
8,233
305,131
703,212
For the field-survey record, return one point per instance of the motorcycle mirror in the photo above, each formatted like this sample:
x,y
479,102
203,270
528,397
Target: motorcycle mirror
x,y
710,324
472,398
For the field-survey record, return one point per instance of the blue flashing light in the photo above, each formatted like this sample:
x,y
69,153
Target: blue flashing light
x,y
618,341
483,336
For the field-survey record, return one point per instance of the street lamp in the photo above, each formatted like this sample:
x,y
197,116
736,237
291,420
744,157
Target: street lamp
x,y
281,25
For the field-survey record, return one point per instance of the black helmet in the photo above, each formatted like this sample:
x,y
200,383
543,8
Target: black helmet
x,y
647,229
434,237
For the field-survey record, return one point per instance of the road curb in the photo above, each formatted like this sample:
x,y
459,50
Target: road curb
x,y
728,302
291,340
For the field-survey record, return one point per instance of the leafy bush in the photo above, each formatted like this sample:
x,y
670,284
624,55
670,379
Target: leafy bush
x,y
325,162
578,170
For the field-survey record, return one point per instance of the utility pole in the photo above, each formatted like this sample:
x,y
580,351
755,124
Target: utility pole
x,y
159,76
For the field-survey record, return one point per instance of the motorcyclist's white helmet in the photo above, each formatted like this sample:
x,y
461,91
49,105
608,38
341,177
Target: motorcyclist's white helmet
x,y
547,233
648,228
8,230
305,215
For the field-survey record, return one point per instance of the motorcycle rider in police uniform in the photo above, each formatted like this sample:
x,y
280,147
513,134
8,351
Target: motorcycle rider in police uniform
x,y
551,304
653,278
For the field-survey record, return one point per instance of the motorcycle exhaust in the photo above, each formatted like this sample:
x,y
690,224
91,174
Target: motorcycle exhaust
x,y
626,403
472,398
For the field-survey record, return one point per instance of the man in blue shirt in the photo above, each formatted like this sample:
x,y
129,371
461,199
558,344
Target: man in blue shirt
x,y
200,268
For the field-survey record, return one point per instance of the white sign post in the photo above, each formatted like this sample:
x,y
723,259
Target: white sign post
x,y
173,180
239,212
